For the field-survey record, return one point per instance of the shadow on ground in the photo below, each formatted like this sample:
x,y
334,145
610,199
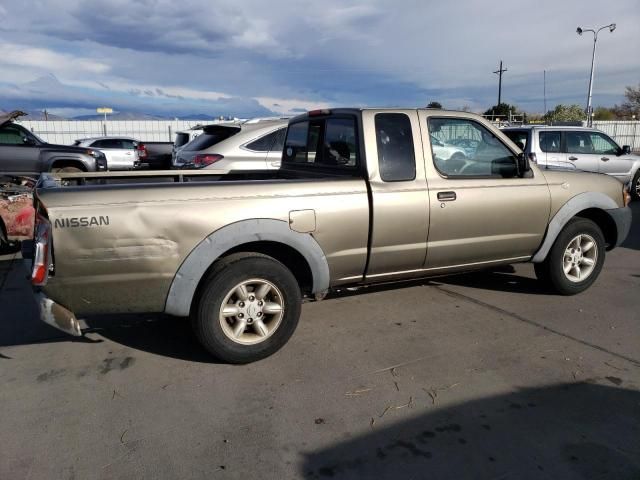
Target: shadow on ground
x,y
153,333
573,431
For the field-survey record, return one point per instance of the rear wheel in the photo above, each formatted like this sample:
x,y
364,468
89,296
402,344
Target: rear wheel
x,y
576,258
248,308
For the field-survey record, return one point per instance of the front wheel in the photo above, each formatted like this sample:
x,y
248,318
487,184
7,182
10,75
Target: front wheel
x,y
575,259
248,308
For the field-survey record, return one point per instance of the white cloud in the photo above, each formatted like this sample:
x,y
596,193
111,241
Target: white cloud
x,y
341,52
288,106
14,54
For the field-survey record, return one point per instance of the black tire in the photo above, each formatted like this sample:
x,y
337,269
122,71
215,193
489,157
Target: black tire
x,y
635,186
225,275
66,170
551,271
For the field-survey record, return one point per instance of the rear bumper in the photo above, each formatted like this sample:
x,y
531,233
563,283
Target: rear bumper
x,y
622,218
57,316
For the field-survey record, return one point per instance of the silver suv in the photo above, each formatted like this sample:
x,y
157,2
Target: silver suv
x,y
122,152
578,148
248,146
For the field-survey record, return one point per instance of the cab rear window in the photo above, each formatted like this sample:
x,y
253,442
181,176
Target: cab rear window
x,y
327,142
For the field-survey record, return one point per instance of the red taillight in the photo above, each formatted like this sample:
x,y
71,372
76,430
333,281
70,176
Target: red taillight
x,y
41,257
532,157
142,150
206,159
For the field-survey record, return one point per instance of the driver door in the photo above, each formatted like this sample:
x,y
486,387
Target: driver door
x,y
482,212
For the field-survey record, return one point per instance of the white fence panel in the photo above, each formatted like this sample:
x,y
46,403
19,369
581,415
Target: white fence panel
x,y
624,132
65,132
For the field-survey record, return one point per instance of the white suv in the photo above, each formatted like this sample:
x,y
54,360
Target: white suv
x,y
578,148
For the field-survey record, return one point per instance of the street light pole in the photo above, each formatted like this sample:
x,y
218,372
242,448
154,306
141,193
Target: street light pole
x,y
580,31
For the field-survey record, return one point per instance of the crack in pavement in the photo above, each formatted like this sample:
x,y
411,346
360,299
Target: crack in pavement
x,y
515,316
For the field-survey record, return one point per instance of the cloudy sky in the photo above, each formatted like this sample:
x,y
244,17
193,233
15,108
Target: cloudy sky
x,y
254,57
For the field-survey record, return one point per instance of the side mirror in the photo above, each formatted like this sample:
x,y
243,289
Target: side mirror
x,y
523,164
28,141
625,150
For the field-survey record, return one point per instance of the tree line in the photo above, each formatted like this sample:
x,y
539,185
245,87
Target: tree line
x,y
627,110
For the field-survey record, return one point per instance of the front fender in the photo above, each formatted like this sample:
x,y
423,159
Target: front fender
x,y
580,202
187,279
51,157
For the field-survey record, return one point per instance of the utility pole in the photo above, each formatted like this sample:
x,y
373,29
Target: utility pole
x,y
499,72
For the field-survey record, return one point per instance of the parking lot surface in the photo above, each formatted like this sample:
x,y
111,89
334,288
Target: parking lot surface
x,y
478,376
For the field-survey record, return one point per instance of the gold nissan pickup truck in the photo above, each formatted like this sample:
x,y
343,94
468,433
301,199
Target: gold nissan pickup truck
x,y
363,196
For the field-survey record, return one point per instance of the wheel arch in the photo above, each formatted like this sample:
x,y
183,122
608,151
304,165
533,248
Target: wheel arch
x,y
67,162
591,205
297,251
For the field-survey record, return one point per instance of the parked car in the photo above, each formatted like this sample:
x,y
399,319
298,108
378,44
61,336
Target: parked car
x,y
23,153
122,152
445,151
248,146
360,199
578,148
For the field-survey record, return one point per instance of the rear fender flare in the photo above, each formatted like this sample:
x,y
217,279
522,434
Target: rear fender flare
x,y
196,264
569,210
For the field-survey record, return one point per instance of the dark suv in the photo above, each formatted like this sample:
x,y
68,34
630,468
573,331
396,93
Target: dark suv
x,y
23,153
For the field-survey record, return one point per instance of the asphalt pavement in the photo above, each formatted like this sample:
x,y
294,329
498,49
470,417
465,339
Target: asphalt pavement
x,y
476,376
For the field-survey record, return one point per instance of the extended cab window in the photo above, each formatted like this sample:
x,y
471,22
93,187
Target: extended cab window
x,y
550,142
488,157
396,158
327,142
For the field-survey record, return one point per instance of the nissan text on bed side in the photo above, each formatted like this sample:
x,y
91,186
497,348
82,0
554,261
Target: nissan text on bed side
x,y
362,197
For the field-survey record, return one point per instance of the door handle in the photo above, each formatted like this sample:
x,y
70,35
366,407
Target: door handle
x,y
446,196
605,159
573,159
